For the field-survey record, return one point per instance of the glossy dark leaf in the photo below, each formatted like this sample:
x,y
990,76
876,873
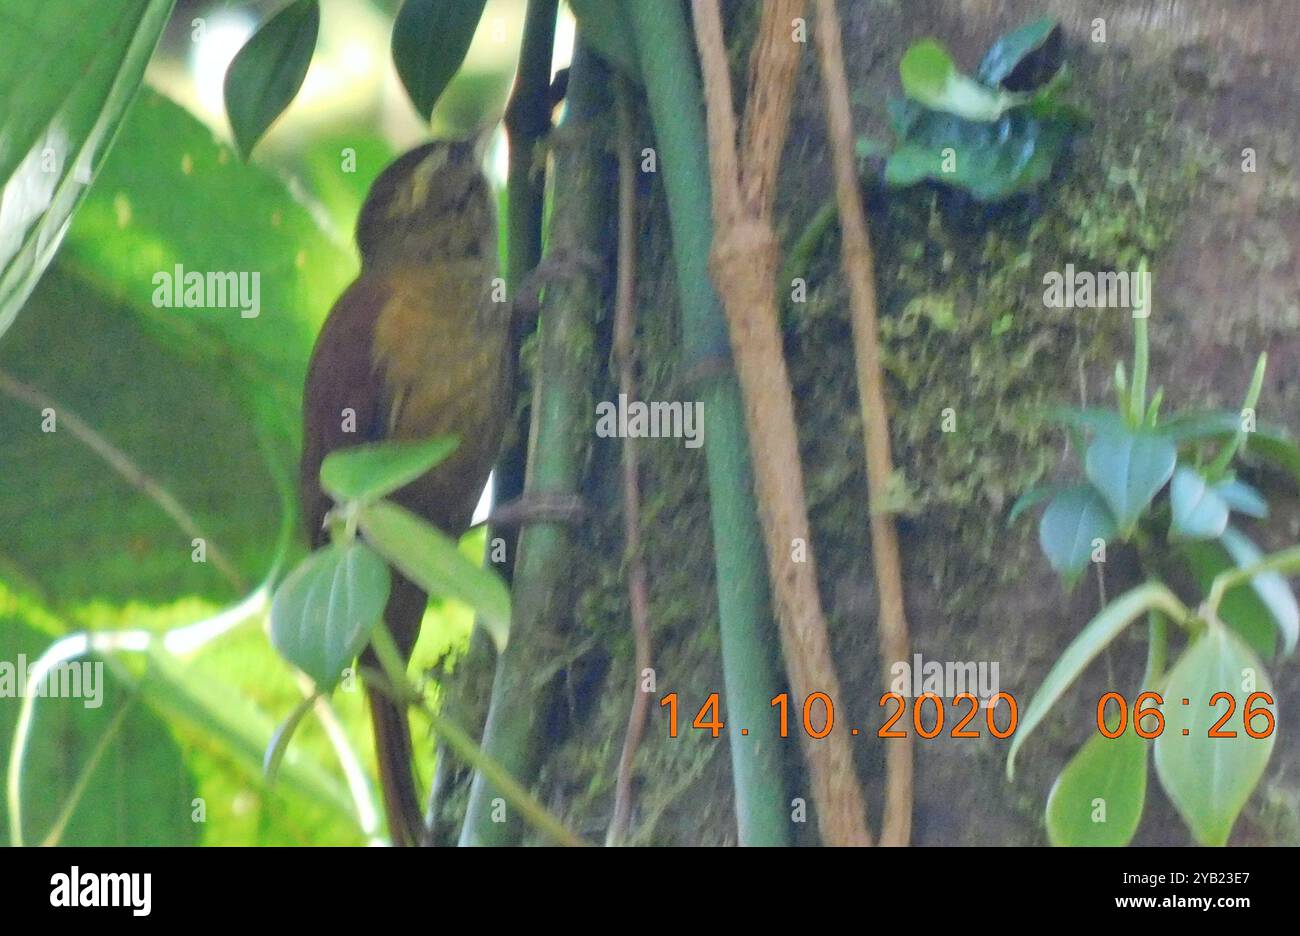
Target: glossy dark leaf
x,y
993,161
267,72
1025,58
430,39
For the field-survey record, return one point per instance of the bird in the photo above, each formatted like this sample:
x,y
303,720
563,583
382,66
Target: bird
x,y
415,348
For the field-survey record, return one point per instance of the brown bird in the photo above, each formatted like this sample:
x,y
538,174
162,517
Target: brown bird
x,y
414,349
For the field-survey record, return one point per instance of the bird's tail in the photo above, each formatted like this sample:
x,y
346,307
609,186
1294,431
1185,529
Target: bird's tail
x,y
393,750
396,779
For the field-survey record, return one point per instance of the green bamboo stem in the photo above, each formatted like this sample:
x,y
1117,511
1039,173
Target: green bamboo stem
x,y
751,669
561,428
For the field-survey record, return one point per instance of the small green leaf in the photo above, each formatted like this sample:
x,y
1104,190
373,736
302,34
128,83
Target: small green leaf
x,y
431,560
1200,424
1024,58
1092,419
1275,448
1198,511
430,39
1210,779
372,471
323,613
1030,499
1243,498
1098,798
1072,523
1096,635
930,77
1128,469
267,72
1271,587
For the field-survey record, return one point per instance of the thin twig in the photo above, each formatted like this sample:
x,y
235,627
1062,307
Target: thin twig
x,y
744,265
855,244
120,462
625,359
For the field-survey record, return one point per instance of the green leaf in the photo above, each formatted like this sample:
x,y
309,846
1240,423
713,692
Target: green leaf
x,y
430,39
1243,498
1271,587
1128,469
1074,519
1024,58
1098,798
323,613
431,560
1198,510
1200,424
1030,499
68,74
265,75
1096,635
369,472
1273,447
1241,608
930,77
1210,779
992,161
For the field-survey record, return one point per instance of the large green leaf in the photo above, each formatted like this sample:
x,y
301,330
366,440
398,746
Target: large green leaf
x,y
1128,469
1072,523
369,472
1099,632
1198,511
324,612
102,769
265,75
430,39
431,560
993,161
1210,779
1098,798
68,73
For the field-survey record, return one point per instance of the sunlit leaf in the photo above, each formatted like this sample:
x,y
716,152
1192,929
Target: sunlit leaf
x,y
1097,800
930,77
68,73
430,559
1242,498
369,472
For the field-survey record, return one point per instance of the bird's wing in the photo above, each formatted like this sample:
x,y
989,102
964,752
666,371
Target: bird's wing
x,y
344,392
